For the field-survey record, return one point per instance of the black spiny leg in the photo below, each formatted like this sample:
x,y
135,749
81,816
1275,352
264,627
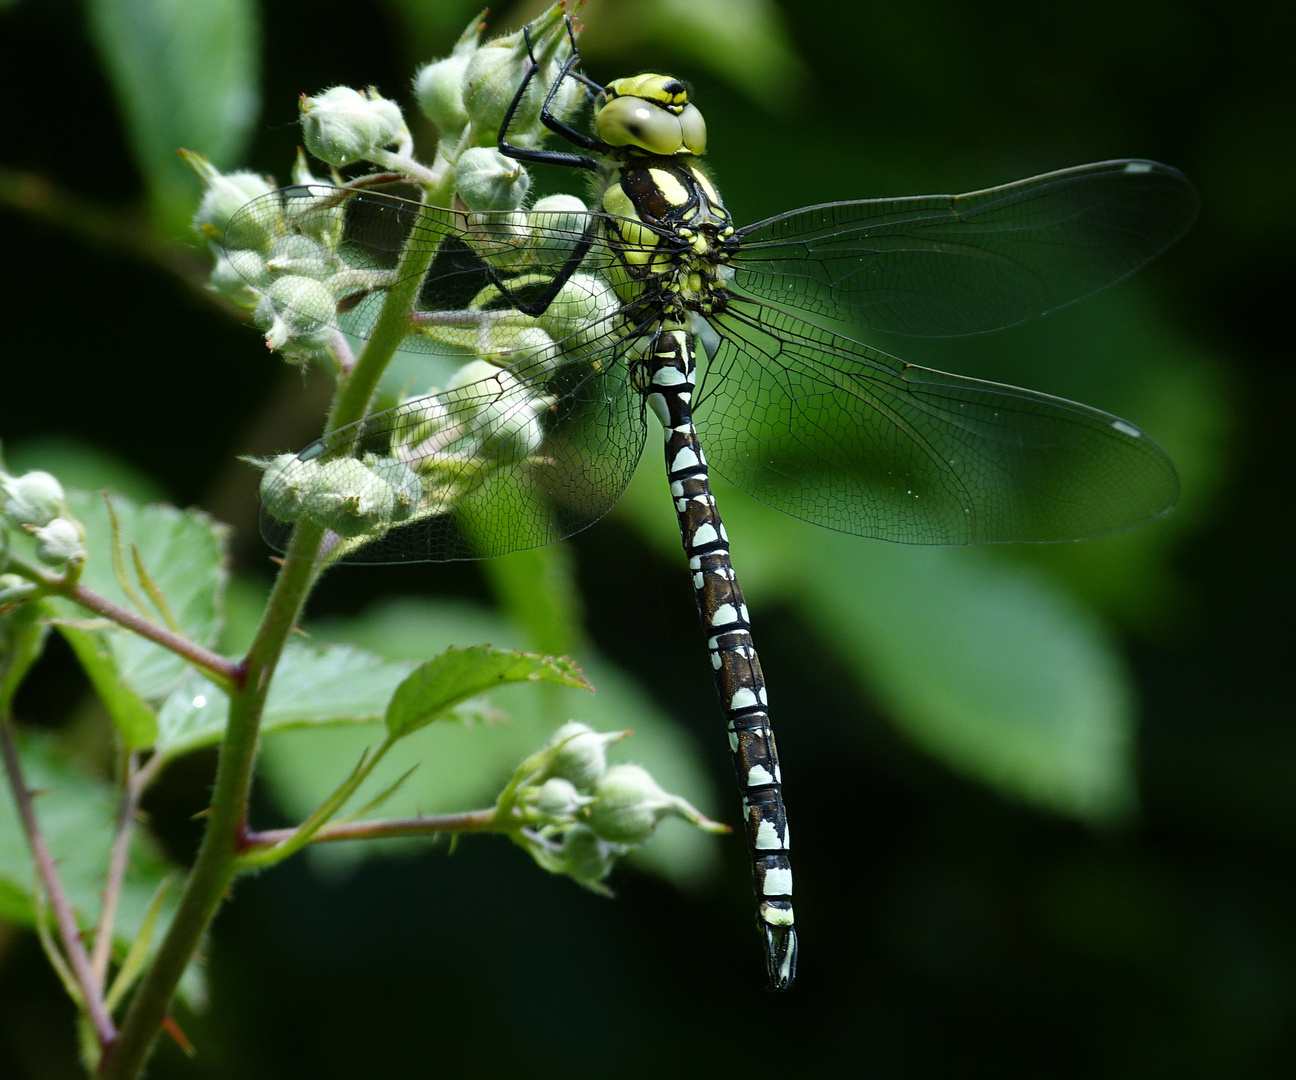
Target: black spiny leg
x,y
550,157
540,305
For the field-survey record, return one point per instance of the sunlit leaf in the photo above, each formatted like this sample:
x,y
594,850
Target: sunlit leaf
x,y
184,553
313,685
459,674
464,767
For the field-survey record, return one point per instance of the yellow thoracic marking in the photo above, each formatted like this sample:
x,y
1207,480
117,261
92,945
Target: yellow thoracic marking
x,y
671,189
705,184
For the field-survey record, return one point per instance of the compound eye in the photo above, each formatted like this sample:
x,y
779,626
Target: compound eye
x,y
632,121
693,128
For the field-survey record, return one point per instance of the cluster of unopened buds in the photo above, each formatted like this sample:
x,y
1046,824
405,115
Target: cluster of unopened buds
x,y
34,504
581,814
288,260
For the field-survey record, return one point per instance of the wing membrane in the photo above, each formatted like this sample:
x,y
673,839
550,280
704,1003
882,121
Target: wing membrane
x,y
351,240
516,460
834,432
961,264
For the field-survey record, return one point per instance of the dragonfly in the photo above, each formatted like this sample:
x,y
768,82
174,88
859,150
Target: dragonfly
x,y
575,320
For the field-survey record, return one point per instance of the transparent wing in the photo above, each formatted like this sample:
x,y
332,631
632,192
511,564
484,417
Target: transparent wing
x,y
519,459
961,264
360,242
831,431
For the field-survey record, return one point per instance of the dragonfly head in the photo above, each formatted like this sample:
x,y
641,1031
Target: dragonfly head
x,y
651,113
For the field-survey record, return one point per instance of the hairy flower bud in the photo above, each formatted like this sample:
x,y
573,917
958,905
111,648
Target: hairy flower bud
x,y
35,498
299,255
342,126
348,498
582,312
14,589
406,487
486,180
581,754
438,85
584,856
284,484
500,410
561,221
627,805
225,195
297,314
58,542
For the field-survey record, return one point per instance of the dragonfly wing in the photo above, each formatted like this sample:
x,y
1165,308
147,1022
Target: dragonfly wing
x,y
834,432
357,243
516,460
961,264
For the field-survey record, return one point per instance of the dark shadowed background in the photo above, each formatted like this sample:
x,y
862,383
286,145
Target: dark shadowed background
x,y
1113,894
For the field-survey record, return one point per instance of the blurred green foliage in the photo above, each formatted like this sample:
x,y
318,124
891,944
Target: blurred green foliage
x,y
942,713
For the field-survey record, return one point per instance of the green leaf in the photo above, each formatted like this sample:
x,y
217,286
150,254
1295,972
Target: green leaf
x,y
313,685
465,766
745,42
77,816
537,589
184,553
185,75
988,665
22,639
135,721
459,674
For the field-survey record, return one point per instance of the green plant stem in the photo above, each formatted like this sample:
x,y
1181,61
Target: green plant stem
x,y
223,671
468,821
73,947
116,872
214,868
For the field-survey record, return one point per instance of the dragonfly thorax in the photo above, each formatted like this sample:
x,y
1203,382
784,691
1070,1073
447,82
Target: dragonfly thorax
x,y
670,229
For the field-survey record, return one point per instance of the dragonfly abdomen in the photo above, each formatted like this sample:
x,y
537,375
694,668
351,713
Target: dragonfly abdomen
x,y
736,667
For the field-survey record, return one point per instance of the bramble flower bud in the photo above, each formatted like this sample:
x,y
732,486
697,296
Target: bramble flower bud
x,y
502,412
628,804
13,588
35,498
237,276
561,221
349,499
299,255
584,857
486,180
58,542
554,802
406,487
489,83
284,484
527,348
581,752
225,195
418,418
438,85
582,312
297,314
342,126
438,88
